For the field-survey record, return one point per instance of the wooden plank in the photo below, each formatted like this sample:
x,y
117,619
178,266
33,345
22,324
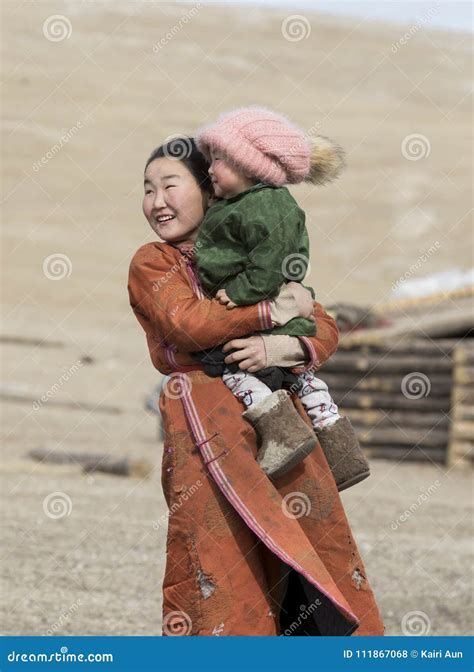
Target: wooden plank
x,y
424,301
347,362
365,418
463,375
462,413
452,321
461,454
462,395
440,384
463,431
391,402
425,437
440,347
405,455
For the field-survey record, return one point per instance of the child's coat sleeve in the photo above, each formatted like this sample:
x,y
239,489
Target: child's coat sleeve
x,y
276,239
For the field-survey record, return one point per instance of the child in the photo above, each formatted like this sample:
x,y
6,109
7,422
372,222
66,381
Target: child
x,y
252,241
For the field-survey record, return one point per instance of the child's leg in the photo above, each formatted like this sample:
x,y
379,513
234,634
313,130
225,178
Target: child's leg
x,y
285,438
249,389
336,435
319,404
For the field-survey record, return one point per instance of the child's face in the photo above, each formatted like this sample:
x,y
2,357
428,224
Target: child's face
x,y
227,180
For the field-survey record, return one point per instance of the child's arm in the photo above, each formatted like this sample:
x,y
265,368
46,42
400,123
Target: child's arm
x,y
274,234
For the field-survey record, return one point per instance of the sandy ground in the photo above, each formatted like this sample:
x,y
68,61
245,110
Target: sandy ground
x,y
98,570
114,97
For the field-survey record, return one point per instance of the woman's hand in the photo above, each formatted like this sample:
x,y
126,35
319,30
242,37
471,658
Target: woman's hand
x,y
250,353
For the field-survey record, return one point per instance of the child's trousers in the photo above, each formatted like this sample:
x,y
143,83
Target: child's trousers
x,y
313,393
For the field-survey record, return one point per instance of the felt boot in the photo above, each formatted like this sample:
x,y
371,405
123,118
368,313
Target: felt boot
x,y
285,437
343,453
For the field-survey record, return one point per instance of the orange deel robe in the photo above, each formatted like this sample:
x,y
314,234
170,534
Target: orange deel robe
x,y
231,531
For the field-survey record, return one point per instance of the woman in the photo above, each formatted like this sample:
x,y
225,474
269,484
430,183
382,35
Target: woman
x,y
245,555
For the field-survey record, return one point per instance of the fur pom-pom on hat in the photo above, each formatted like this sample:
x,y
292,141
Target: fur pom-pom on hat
x,y
327,161
265,145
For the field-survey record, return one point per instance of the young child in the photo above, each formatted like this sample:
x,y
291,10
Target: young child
x,y
253,240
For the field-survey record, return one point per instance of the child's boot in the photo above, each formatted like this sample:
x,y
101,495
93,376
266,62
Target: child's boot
x,y
343,453
285,437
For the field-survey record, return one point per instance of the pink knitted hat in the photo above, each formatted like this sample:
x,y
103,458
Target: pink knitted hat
x,y
261,143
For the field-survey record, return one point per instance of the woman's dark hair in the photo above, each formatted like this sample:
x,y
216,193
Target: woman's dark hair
x,y
184,149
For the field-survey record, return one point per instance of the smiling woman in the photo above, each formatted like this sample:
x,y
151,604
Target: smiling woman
x,y
176,194
245,554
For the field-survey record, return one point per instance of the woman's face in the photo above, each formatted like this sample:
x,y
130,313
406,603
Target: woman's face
x,y
173,203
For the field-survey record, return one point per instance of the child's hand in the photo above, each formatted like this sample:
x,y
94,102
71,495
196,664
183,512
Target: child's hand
x,y
222,297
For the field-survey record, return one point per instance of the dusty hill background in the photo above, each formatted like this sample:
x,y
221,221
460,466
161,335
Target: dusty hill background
x,y
86,96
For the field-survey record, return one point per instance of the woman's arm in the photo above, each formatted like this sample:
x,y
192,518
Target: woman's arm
x,y
297,352
160,292
166,306
283,350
